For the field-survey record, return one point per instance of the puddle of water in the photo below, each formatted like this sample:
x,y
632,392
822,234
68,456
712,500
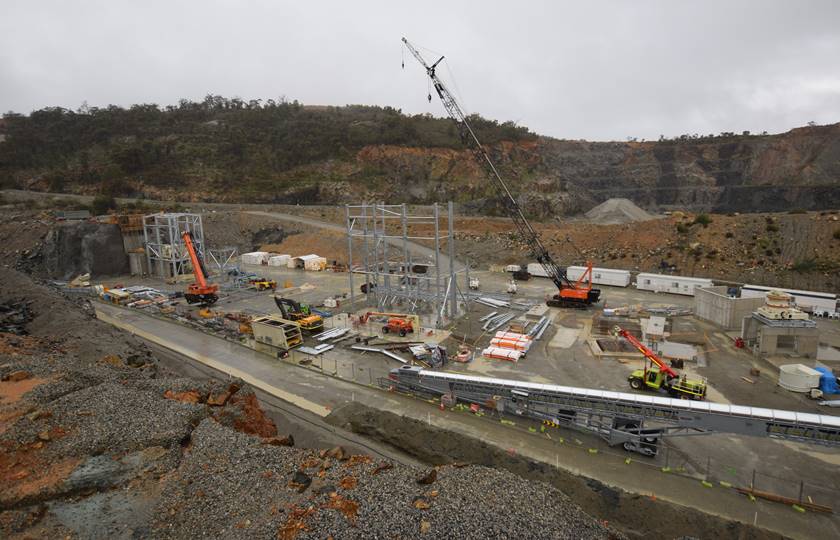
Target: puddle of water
x,y
827,352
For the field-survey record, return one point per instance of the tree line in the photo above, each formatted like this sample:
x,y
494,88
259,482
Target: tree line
x,y
222,141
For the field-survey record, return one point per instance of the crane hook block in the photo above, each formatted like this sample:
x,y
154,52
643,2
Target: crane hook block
x,y
430,98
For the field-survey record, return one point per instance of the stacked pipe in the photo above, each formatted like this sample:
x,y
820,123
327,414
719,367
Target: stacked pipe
x,y
539,329
496,321
509,346
512,340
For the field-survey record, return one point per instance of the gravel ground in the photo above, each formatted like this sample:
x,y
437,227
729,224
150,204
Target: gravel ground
x,y
231,485
110,417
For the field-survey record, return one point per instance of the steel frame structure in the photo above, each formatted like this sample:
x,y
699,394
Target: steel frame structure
x,y
388,263
223,260
163,238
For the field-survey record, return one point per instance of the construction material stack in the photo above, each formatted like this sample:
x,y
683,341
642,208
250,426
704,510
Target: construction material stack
x,y
510,346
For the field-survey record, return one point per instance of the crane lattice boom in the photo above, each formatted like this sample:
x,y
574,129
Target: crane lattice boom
x,y
555,272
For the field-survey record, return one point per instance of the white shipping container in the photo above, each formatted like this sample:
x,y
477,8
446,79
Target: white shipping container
x,y
513,268
315,264
279,260
601,276
670,284
808,300
255,257
536,269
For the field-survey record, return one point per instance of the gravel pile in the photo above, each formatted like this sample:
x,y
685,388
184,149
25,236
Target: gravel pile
x,y
616,211
109,417
234,486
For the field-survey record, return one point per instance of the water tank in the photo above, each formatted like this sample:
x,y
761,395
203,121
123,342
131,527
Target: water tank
x,y
798,378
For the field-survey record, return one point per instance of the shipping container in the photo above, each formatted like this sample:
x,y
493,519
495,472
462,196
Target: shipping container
x,y
671,284
807,300
255,257
279,260
308,262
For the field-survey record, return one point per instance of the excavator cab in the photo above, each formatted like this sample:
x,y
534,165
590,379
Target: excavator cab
x,y
299,313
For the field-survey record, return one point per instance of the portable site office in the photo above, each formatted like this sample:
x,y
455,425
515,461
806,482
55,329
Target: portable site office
x,y
671,284
600,276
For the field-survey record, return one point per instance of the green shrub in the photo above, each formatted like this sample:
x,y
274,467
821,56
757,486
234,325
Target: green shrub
x,y
102,203
772,227
814,265
702,219
682,228
729,234
836,234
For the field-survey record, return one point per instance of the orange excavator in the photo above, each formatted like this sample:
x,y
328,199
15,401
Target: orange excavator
x,y
202,291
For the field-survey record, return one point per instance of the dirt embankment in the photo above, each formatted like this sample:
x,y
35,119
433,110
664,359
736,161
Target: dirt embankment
x,y
634,515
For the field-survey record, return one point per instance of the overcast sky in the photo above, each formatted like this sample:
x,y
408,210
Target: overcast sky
x,y
594,70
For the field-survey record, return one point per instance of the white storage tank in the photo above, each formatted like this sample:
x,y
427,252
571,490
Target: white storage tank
x,y
279,260
671,284
601,276
798,378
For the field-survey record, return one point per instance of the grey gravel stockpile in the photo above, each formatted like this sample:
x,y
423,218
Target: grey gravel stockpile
x,y
617,211
232,485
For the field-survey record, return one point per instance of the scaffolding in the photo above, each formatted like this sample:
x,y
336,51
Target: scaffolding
x,y
163,238
224,259
396,271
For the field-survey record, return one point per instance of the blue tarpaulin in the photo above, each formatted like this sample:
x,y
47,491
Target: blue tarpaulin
x,y
828,381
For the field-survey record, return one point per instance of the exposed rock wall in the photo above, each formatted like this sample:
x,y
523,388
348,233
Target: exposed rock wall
x,y
77,248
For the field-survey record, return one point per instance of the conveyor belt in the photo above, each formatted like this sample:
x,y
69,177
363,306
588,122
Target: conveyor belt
x,y
620,417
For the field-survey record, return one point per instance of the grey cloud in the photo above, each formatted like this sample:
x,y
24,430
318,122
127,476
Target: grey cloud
x,y
596,70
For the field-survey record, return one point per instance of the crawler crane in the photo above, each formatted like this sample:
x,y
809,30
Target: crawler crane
x,y
575,295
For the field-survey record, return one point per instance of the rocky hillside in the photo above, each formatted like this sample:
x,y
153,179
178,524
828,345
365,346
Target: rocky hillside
x,y
227,150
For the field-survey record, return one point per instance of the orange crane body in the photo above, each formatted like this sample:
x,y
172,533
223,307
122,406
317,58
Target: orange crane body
x,y
201,291
649,354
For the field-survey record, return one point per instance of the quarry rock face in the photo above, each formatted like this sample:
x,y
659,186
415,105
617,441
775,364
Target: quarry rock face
x,y
550,177
78,248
